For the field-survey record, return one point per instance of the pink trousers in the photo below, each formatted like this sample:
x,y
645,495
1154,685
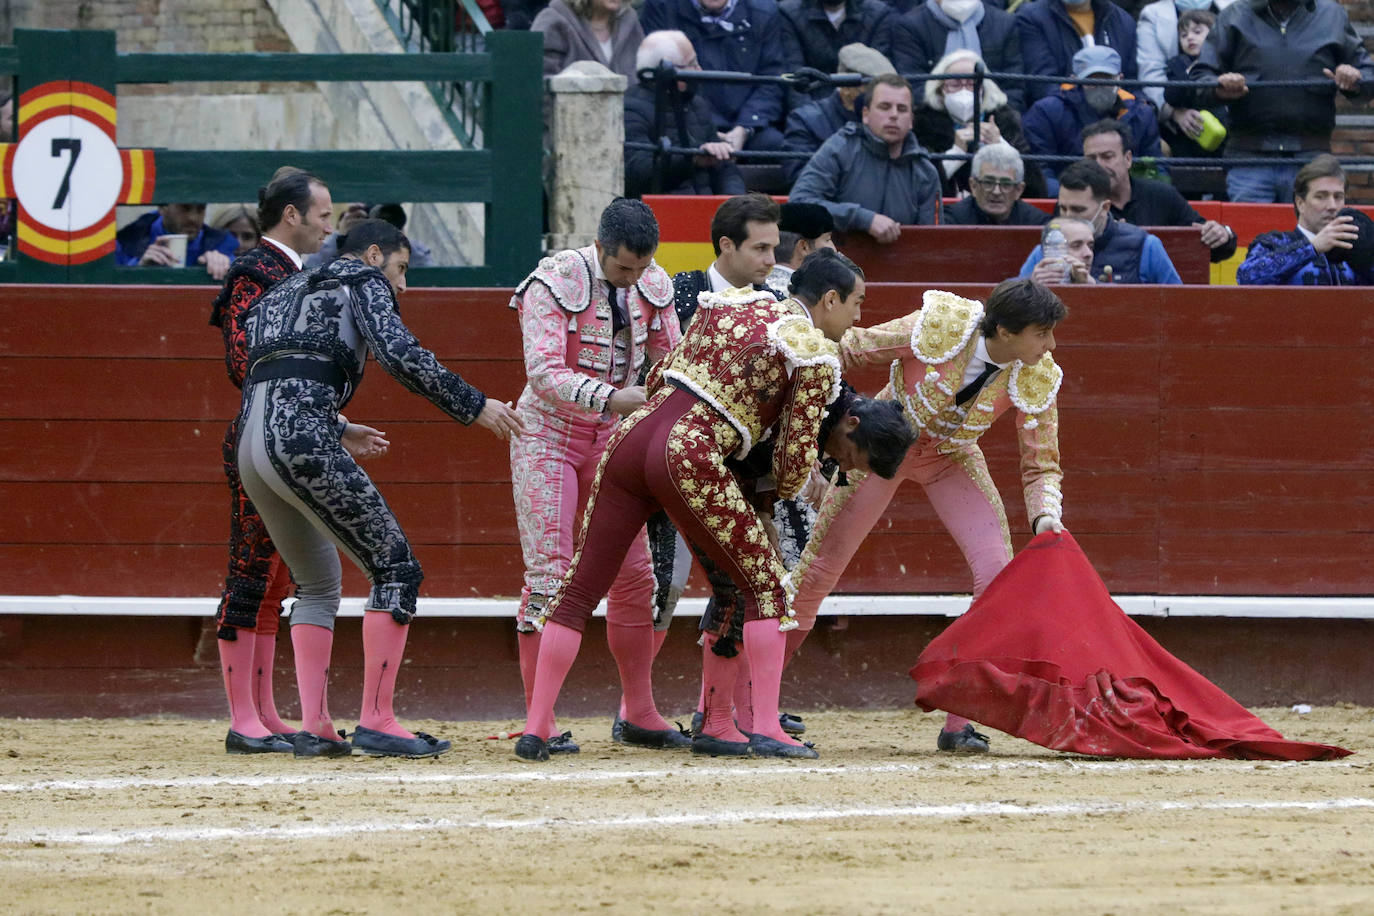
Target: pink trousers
x,y
962,494
552,468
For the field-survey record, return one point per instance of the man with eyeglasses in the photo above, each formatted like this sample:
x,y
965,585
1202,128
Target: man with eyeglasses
x,y
997,184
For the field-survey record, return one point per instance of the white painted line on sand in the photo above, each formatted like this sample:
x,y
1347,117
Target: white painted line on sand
x,y
727,817
698,769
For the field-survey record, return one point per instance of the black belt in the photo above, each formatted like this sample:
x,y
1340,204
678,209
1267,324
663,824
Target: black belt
x,y
316,370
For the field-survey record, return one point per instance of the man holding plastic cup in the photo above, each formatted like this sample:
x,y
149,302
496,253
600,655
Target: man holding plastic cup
x,y
175,235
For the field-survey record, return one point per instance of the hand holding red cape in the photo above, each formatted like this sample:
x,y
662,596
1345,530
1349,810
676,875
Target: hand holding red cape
x,y
1046,655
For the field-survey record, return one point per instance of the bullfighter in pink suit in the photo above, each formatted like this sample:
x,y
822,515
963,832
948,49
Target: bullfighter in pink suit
x,y
590,318
955,368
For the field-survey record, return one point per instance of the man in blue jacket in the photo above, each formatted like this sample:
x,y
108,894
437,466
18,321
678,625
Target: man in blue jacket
x,y
874,176
1054,125
146,241
1052,31
738,35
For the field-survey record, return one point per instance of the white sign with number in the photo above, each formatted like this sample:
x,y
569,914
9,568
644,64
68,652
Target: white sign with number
x,y
67,173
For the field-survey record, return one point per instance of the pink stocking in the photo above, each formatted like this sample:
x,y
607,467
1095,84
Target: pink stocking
x,y
558,647
384,644
718,676
955,723
633,648
744,693
264,658
236,663
314,646
766,647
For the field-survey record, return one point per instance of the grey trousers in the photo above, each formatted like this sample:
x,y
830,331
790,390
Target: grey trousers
x,y
317,502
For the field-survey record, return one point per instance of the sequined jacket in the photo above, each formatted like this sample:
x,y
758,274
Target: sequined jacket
x,y
340,312
573,360
253,273
1288,259
929,351
766,370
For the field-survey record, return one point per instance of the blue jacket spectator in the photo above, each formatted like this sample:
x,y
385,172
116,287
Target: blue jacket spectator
x,y
740,35
1050,37
1134,255
874,176
133,241
1054,125
812,124
921,37
811,38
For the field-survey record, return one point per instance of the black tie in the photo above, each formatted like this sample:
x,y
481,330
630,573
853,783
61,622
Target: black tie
x,y
975,386
619,317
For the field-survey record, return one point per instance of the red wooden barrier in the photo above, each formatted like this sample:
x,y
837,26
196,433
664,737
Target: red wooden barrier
x,y
1212,443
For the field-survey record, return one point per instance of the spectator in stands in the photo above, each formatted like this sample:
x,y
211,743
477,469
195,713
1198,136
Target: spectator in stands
x,y
1157,42
997,184
942,122
241,223
1280,40
740,35
1054,124
519,14
690,123
395,214
8,208
147,241
813,31
874,176
1145,202
1075,264
1053,31
606,31
1122,253
811,125
802,229
1329,247
1181,125
936,28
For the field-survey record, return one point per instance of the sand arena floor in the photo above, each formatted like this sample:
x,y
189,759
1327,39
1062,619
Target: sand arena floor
x,y
149,816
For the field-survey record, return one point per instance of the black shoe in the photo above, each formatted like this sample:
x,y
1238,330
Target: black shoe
x,y
379,744
618,730
531,748
764,746
562,744
311,745
234,743
792,725
698,720
965,741
668,739
706,746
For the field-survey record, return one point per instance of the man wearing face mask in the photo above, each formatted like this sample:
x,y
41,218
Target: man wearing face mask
x,y
931,30
1052,31
811,125
1054,125
1122,253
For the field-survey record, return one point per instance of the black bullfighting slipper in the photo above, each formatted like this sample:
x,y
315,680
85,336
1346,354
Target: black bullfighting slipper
x,y
698,719
532,748
562,744
764,746
235,743
667,739
307,744
791,724
618,730
706,746
380,744
967,740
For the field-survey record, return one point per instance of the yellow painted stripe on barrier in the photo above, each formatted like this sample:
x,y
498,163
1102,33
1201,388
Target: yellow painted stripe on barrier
x,y
675,257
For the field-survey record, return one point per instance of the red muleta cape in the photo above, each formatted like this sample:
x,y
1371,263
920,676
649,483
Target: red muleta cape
x,y
1046,655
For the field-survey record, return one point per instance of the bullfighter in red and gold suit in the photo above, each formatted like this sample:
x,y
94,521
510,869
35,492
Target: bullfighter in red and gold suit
x,y
748,368
955,368
590,319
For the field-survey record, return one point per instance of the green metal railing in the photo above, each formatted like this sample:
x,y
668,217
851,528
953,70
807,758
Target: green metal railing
x,y
439,27
503,175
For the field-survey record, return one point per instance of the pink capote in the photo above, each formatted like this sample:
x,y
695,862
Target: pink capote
x,y
1046,655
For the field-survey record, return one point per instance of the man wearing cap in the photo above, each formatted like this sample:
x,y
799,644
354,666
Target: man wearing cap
x,y
802,229
1142,201
811,125
1331,246
997,183
875,176
1054,125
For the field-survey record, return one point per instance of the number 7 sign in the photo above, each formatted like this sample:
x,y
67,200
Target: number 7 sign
x,y
68,174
